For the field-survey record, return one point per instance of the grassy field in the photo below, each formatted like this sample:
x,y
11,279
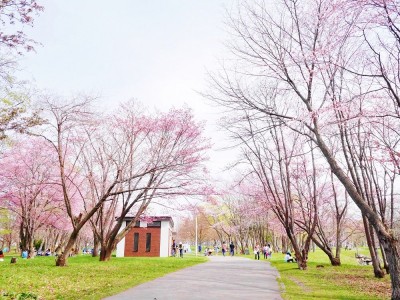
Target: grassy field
x,y
87,278
84,277
348,282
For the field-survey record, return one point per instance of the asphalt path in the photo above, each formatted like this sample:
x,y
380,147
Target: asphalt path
x,y
219,278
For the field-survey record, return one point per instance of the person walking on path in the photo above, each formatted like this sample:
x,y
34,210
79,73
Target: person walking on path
x,y
224,248
265,252
232,248
257,252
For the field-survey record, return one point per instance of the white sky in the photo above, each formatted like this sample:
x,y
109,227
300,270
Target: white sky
x,y
155,51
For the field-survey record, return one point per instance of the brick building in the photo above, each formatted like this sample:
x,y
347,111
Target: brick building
x,y
147,238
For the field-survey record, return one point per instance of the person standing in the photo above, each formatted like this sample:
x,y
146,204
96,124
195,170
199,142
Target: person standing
x,y
269,250
173,248
180,249
257,252
232,248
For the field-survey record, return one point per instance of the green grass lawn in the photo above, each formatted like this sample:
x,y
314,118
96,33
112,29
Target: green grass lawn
x,y
84,277
348,282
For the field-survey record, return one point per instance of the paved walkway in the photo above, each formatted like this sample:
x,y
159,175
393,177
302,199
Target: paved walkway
x,y
220,278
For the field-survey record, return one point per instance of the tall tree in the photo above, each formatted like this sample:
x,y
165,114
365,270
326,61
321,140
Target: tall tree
x,y
300,50
69,129
162,155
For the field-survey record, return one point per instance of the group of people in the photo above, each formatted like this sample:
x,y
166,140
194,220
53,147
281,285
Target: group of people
x,y
87,251
207,252
231,249
44,253
176,247
266,250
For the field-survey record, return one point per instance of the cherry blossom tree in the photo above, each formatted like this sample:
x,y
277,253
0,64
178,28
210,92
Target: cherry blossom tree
x,y
275,162
68,131
162,155
108,169
30,189
17,13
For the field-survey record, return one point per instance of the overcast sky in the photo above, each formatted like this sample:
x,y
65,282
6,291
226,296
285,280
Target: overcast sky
x,y
155,51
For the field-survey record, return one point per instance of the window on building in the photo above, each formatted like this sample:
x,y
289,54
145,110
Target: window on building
x,y
137,223
148,242
136,242
154,224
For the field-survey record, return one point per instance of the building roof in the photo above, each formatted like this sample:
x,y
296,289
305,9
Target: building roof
x,y
152,219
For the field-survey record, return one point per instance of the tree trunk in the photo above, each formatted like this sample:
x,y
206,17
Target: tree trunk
x,y
62,259
335,261
378,272
9,244
276,244
96,243
392,251
105,253
284,244
384,258
301,263
301,255
337,256
22,237
31,251
54,244
109,245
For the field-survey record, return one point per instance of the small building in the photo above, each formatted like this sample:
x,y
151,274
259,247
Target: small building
x,y
152,238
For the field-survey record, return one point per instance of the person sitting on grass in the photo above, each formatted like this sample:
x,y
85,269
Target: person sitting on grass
x,y
288,257
1,255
